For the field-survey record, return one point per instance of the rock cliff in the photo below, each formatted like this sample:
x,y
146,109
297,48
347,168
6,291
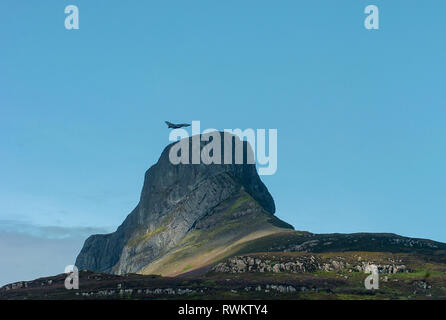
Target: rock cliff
x,y
188,216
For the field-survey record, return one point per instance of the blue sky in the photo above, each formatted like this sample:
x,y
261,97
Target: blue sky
x,y
360,114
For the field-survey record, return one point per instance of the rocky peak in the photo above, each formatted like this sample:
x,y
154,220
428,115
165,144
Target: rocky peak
x,y
175,199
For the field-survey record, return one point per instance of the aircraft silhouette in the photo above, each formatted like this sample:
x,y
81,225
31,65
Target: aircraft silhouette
x,y
176,126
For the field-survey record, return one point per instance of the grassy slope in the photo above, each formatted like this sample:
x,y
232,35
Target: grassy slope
x,y
202,247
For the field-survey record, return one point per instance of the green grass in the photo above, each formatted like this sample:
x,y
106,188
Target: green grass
x,y
239,202
144,237
188,267
417,274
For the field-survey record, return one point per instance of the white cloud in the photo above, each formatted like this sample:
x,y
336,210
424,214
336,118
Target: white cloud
x,y
49,232
28,251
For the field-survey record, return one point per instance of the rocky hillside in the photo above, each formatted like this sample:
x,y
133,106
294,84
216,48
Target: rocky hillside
x,y
211,229
303,263
188,216
271,275
302,241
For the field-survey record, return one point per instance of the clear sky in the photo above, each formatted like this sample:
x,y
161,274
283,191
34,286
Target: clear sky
x,y
360,114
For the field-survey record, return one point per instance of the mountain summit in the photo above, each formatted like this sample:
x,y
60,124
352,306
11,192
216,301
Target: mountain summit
x,y
188,216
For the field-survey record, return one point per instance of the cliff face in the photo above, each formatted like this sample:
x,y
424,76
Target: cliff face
x,y
187,216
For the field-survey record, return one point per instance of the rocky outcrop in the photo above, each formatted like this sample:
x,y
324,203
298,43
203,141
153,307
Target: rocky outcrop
x,y
175,201
305,263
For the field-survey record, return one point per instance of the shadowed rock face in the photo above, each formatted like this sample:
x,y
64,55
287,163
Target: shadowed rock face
x,y
174,199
